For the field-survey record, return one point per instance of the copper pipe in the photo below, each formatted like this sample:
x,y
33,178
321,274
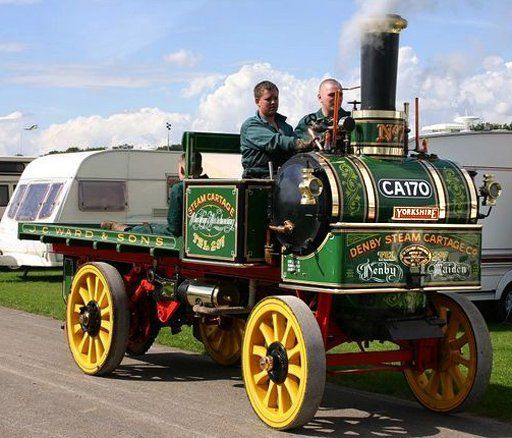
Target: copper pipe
x,y
286,228
269,247
417,123
336,117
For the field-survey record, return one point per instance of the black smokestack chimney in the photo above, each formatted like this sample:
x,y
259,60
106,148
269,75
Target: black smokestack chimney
x,y
379,62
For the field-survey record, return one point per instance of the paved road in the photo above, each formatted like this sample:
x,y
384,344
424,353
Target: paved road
x,y
169,393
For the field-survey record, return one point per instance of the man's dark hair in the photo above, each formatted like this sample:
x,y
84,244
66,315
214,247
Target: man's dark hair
x,y
263,86
197,163
196,166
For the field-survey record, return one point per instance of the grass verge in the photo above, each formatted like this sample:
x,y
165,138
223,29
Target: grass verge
x,y
40,293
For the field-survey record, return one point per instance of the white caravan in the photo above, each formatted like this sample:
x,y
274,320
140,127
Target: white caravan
x,y
129,186
11,168
486,152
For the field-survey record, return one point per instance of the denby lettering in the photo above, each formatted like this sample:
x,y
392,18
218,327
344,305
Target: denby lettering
x,y
430,238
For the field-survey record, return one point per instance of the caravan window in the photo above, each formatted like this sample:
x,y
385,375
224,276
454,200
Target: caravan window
x,y
102,195
50,201
32,202
12,167
4,195
15,201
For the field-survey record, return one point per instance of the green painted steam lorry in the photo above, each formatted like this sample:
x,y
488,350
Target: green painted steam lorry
x,y
355,242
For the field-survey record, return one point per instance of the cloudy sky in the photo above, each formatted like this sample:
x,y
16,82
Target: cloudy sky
x,y
104,73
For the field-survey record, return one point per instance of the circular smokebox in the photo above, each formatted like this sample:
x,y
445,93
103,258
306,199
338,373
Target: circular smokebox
x,y
310,221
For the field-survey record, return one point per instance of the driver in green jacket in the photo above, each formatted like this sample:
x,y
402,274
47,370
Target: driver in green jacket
x,y
266,137
326,92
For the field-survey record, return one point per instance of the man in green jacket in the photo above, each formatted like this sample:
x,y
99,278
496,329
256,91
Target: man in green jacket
x,y
174,224
266,137
326,93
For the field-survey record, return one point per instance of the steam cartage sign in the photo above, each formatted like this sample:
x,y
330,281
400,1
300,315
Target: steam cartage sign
x,y
211,222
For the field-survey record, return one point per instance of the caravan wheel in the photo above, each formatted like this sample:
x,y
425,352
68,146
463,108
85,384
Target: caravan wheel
x,y
504,310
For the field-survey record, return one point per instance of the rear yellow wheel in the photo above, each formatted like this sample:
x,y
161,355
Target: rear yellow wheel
x,y
464,364
283,362
144,327
97,318
223,340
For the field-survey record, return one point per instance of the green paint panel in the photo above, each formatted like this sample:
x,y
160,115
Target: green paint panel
x,y
49,233
211,142
69,268
354,203
404,190
257,220
378,132
322,267
382,304
400,183
362,258
457,194
211,221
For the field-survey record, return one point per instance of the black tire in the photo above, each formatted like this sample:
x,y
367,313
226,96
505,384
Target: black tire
x,y
504,305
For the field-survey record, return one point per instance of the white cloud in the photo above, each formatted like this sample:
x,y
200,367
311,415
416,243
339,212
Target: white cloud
x,y
78,76
103,76
182,58
143,128
226,108
349,40
11,47
200,84
447,90
493,63
16,115
12,135
223,109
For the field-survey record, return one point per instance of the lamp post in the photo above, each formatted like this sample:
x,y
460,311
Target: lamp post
x,y
168,126
26,128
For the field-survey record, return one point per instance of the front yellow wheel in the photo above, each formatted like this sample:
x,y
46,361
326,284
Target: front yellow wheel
x,y
97,318
461,374
283,362
223,339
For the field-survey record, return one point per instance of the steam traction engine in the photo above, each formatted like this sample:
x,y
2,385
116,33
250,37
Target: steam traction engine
x,y
354,242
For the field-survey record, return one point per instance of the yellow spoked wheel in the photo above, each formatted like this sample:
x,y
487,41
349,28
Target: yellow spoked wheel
x,y
462,372
223,340
283,362
97,318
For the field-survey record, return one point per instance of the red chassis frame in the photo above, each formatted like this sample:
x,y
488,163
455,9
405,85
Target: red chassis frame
x,y
421,353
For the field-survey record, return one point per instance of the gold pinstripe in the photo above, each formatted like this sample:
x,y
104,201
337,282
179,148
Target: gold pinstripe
x,y
434,173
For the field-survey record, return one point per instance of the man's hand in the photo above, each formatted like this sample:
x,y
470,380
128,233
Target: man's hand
x,y
320,127
303,145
